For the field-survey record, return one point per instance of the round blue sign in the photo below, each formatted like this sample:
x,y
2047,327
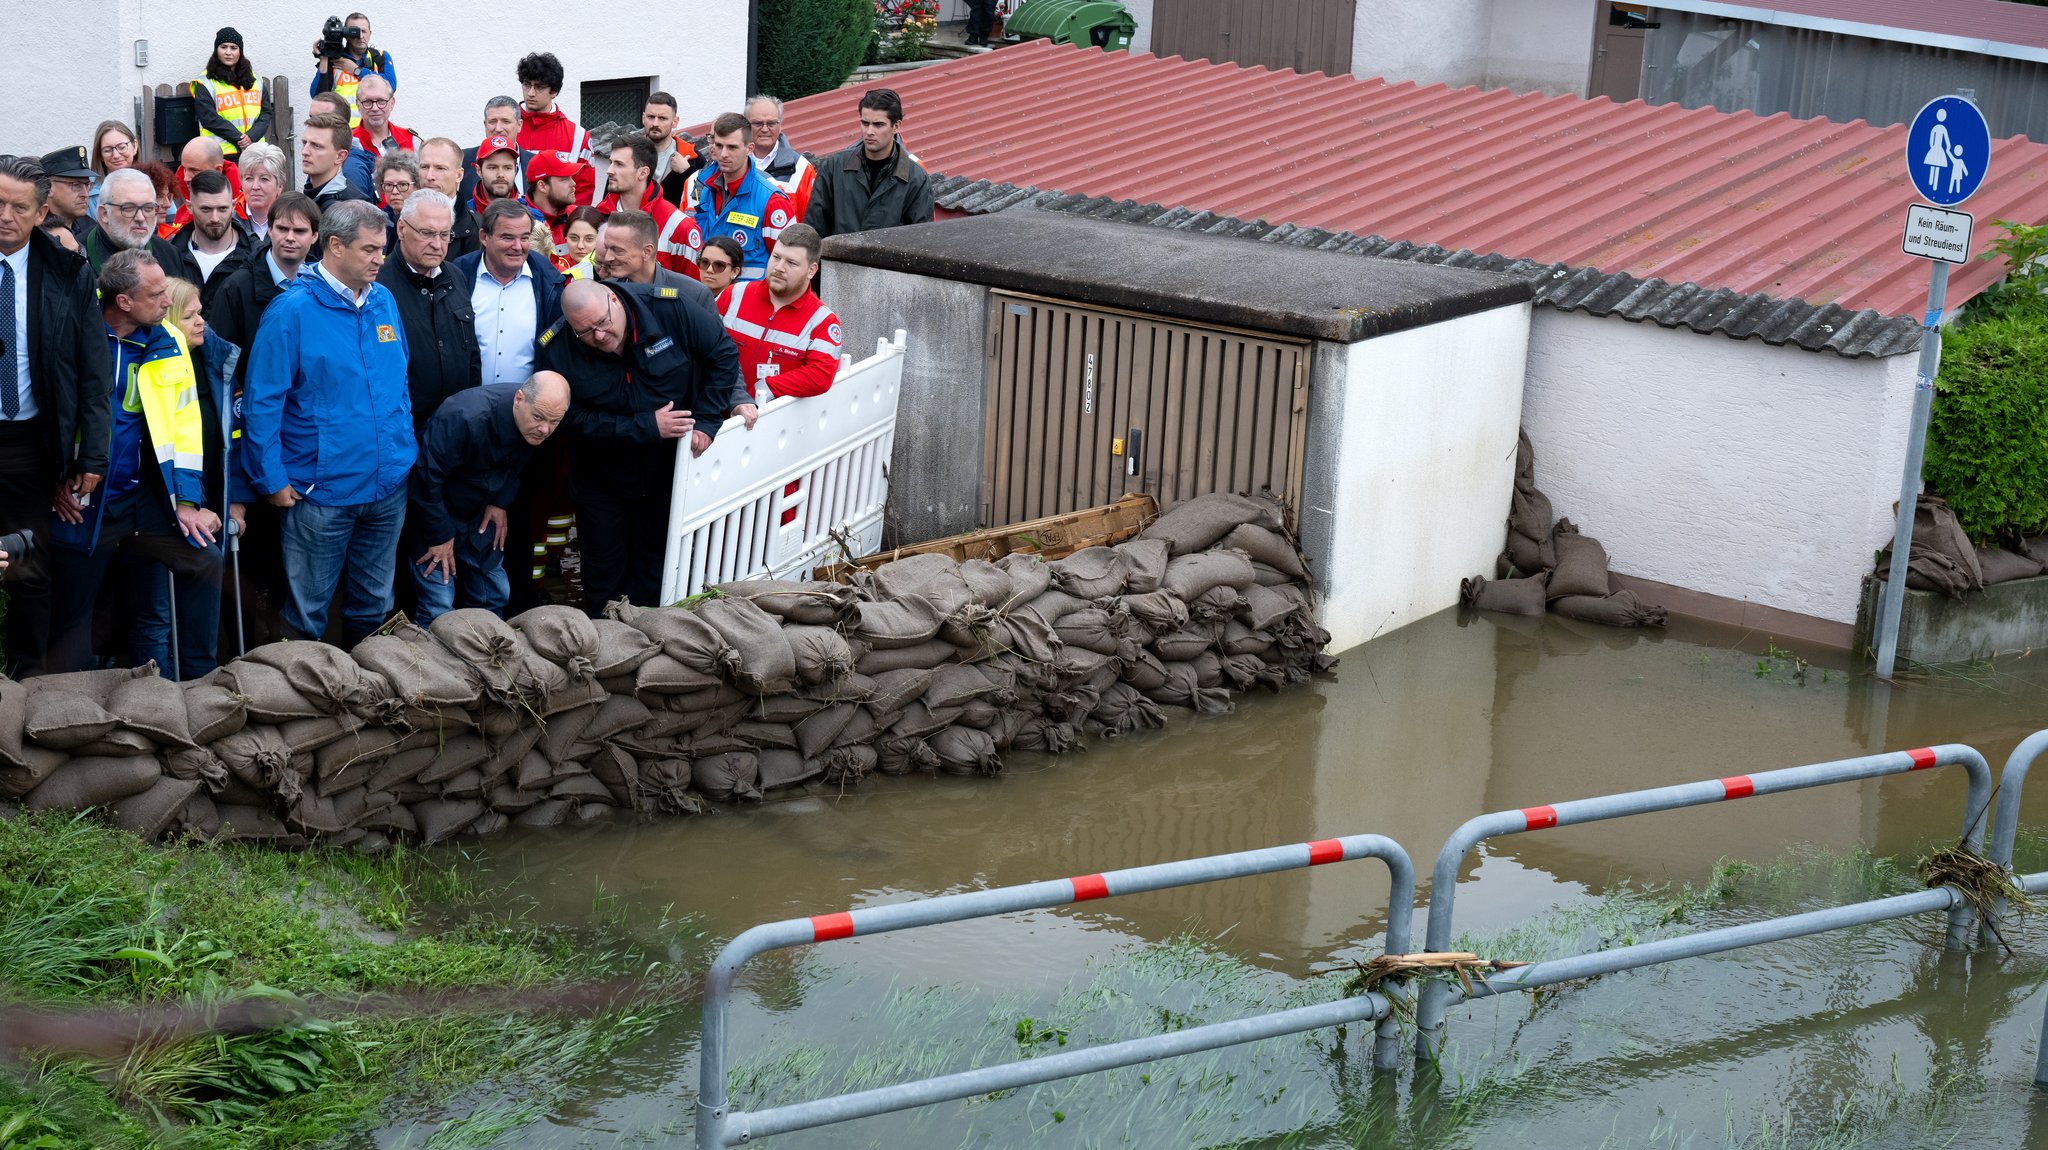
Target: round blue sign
x,y
1948,150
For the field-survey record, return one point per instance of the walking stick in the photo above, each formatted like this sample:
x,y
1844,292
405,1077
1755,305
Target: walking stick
x,y
171,581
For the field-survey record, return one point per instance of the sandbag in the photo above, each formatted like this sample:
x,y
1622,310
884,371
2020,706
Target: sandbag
x,y
1031,638
1998,565
153,707
821,653
92,782
787,768
563,636
13,717
1050,607
725,777
255,754
1581,564
1181,645
1195,524
370,744
441,819
418,668
1123,709
95,685
987,584
305,736
1272,548
854,687
903,755
324,675
268,695
1145,564
1029,577
391,816
1621,609
509,671
620,649
763,736
38,763
1183,690
65,720
844,766
196,764
685,636
314,813
487,824
460,754
213,711
619,775
932,577
1512,596
965,751
1162,611
792,601
1090,573
1189,577
924,656
253,824
1267,608
550,813
954,685
666,675
766,665
1531,554
1269,576
505,797
563,730
888,625
1089,629
581,787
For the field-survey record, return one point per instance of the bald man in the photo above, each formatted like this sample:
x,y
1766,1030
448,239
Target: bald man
x,y
468,473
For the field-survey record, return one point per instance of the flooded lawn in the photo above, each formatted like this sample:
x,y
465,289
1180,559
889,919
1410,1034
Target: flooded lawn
x,y
1865,1038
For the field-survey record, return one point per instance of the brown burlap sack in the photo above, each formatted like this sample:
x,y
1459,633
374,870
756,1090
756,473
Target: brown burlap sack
x,y
620,649
1050,607
817,734
1047,734
886,625
934,578
583,788
563,731
1162,611
665,675
1189,577
726,777
550,813
781,768
441,819
616,771
402,768
256,754
197,764
370,744
1271,548
1089,629
904,755
325,675
1195,524
38,763
1145,564
418,668
685,636
95,685
253,824
1090,573
767,665
1180,645
92,782
764,736
1621,609
1529,554
13,717
1269,576
1512,596
811,604
316,814
1029,578
1581,564
563,636
966,751
577,693
845,766
213,711
487,824
65,720
305,736
925,656
1241,639
269,696
987,584
1999,565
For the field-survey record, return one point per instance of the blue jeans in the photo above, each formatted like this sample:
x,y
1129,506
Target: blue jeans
x,y
480,579
320,543
198,617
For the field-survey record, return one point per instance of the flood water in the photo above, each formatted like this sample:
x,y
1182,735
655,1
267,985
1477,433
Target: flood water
x,y
1848,1036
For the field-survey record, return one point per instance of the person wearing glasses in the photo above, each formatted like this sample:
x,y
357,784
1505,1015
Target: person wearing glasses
x,y
113,147
648,366
128,216
719,266
360,59
433,304
375,132
785,167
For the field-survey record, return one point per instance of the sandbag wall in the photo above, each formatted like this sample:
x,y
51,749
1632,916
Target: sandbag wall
x,y
921,665
1549,565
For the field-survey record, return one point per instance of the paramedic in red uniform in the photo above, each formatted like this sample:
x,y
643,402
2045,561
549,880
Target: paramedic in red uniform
x,y
788,338
544,128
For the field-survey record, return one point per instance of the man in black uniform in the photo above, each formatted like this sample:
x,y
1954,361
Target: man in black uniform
x,y
647,366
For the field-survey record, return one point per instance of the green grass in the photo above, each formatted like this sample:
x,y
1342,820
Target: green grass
x,y
95,920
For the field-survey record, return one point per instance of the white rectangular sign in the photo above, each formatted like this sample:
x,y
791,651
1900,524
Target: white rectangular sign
x,y
1938,234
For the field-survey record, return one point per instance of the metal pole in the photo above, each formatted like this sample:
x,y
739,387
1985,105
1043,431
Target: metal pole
x,y
2005,826
1894,598
171,585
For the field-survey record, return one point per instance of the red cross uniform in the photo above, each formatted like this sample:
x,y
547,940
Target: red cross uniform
x,y
794,350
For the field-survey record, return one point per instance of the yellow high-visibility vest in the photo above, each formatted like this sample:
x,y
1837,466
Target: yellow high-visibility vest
x,y
238,106
345,87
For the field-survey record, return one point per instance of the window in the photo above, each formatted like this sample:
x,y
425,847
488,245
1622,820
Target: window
x,y
615,101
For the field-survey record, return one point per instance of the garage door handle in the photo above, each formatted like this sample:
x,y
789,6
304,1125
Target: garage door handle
x,y
1131,453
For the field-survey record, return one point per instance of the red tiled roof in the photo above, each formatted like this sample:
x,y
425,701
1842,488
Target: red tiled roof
x,y
1994,27
1799,209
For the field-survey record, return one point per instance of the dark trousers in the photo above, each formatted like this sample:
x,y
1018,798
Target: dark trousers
x,y
981,15
624,538
136,528
26,488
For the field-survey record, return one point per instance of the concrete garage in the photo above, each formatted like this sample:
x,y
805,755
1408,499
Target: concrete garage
x,y
1394,433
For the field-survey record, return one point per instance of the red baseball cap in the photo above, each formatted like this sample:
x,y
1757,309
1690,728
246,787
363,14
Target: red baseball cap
x,y
493,144
545,164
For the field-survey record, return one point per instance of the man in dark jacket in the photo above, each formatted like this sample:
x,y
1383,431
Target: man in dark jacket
x,y
441,169
127,219
323,149
875,183
54,365
215,245
433,302
647,367
468,474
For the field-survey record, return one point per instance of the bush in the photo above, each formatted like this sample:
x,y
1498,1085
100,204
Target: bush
x,y
810,46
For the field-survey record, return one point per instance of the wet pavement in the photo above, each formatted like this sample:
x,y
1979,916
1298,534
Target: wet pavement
x,y
1846,1036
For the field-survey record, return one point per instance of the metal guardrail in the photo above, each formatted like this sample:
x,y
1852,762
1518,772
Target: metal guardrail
x,y
1436,995
719,1126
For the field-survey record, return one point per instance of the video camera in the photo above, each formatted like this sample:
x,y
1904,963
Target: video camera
x,y
334,38
17,546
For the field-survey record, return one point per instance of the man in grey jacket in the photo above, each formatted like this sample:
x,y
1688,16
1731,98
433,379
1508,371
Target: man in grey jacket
x,y
875,183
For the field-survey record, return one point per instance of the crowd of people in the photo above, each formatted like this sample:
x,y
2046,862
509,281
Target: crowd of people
x,y
364,389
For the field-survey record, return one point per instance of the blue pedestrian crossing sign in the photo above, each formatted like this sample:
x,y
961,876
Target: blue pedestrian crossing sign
x,y
1948,150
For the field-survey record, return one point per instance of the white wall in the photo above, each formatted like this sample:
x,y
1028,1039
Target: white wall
x,y
451,57
1757,473
1525,45
1141,11
1411,463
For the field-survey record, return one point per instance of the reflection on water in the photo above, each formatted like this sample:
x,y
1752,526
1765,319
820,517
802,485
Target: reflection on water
x,y
1420,730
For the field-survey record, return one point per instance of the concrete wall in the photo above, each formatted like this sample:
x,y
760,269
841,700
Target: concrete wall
x,y
1757,473
1409,467
1526,45
446,68
1141,11
935,474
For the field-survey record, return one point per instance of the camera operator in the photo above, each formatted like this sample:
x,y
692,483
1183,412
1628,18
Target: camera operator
x,y
343,55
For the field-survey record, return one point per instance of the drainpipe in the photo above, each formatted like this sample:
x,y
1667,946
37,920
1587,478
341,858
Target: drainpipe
x,y
753,48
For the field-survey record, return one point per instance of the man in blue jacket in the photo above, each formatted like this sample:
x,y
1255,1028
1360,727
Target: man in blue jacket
x,y
327,427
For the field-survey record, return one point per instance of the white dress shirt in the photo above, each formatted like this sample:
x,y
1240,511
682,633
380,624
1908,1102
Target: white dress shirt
x,y
17,340
506,316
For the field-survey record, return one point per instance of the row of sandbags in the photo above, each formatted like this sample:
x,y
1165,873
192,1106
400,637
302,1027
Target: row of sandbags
x,y
476,724
1549,565
1943,559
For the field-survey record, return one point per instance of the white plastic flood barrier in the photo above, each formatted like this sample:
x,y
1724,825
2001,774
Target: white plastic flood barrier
x,y
767,502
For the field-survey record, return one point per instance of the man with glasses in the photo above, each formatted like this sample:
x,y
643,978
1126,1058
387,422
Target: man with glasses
x,y
70,187
732,198
434,305
359,59
441,169
648,366
127,221
875,183
789,169
374,130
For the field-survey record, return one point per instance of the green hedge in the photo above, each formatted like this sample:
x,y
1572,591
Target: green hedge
x,y
1987,443
809,46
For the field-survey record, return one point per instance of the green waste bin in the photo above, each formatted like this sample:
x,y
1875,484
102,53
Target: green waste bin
x,y
1103,24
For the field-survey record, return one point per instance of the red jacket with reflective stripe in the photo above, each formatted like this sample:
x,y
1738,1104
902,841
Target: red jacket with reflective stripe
x,y
798,346
406,141
677,238
555,132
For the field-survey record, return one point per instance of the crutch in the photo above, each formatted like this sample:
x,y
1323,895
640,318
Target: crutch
x,y
226,403
171,584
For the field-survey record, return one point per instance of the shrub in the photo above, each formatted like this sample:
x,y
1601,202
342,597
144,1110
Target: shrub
x,y
810,46
1987,446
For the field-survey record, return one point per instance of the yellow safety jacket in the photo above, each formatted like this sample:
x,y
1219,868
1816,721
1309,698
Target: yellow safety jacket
x,y
238,106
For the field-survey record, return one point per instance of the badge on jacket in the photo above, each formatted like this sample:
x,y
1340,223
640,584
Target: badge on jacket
x,y
744,220
386,333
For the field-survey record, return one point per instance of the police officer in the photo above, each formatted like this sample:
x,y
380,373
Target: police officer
x,y
647,366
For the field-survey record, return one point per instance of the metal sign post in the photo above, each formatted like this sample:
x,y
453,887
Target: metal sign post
x,y
1948,149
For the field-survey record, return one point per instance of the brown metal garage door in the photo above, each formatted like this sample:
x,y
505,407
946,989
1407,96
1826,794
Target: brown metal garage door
x,y
1088,404
1305,35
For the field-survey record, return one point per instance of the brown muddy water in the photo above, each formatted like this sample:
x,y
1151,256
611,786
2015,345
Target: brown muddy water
x,y
1865,1038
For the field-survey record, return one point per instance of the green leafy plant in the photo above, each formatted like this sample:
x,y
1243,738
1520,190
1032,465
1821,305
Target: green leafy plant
x,y
1987,443
810,46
